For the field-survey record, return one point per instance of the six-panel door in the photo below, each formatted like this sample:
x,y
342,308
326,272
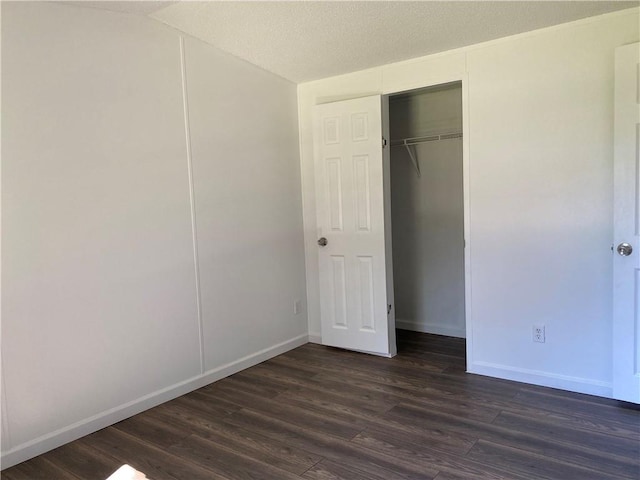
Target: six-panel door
x,y
350,196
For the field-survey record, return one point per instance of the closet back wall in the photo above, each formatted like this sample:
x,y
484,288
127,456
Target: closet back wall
x,y
99,291
428,212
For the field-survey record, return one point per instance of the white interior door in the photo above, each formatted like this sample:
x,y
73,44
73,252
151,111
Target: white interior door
x,y
350,183
626,258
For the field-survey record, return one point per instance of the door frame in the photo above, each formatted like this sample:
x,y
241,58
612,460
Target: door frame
x,y
351,91
463,78
625,376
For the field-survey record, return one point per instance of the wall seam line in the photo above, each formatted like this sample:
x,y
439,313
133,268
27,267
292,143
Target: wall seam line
x,y
187,130
4,409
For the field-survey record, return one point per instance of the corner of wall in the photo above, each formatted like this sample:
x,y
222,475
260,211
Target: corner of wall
x,y
315,337
104,419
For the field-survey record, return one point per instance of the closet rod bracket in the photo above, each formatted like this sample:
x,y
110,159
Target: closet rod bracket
x,y
414,160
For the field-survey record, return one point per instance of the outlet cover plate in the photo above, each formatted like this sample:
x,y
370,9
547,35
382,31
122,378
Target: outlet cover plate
x,y
539,333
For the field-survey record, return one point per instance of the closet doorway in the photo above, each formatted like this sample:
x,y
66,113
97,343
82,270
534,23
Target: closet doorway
x,y
427,211
391,217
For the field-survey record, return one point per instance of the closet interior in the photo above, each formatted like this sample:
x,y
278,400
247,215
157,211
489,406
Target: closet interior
x,y
427,209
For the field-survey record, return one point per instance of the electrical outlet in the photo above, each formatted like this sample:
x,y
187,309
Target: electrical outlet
x,y
538,333
296,307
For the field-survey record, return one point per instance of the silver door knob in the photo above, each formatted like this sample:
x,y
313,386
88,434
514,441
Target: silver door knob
x,y
624,249
322,241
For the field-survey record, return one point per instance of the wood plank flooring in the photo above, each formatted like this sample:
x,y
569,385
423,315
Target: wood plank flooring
x,y
319,413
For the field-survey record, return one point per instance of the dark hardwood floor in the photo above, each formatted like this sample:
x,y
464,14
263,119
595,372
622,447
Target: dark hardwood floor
x,y
322,413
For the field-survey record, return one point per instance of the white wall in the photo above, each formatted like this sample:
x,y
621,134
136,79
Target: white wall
x,y
539,108
427,213
244,139
99,286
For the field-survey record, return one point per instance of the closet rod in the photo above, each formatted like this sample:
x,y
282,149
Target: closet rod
x,y
415,140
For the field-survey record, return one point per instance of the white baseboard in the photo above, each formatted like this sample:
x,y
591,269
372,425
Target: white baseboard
x,y
315,338
544,379
430,328
52,440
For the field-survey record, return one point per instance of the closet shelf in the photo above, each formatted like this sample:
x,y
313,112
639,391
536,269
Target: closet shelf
x,y
416,140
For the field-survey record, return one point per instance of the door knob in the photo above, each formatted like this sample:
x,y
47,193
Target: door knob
x,y
624,249
322,241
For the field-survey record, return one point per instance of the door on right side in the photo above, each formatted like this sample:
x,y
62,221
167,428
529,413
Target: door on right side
x,y
626,246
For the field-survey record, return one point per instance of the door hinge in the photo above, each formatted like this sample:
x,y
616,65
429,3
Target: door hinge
x,y
384,142
388,309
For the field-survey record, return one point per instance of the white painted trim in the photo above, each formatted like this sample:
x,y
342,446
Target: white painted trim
x,y
425,327
4,416
466,189
315,337
104,419
309,225
192,201
544,379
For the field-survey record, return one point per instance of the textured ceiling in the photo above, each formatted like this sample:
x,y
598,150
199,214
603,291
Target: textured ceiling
x,y
305,40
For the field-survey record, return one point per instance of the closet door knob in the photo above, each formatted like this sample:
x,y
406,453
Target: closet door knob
x,y
322,241
624,249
